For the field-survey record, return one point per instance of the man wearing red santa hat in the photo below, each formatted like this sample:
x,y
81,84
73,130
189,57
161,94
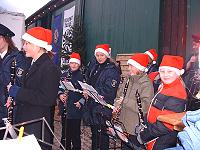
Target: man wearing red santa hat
x,y
170,99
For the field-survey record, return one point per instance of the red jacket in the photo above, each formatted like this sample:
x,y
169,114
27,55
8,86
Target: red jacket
x,y
170,99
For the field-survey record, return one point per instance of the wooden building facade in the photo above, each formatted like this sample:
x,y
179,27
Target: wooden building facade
x,y
130,26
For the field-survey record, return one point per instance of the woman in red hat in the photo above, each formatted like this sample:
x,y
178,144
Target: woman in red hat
x,y
137,80
36,97
170,99
104,75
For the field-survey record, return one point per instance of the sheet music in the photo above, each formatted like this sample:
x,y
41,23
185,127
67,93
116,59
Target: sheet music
x,y
93,93
88,87
67,85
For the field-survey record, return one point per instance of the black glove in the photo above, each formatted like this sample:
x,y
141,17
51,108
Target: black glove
x,y
134,143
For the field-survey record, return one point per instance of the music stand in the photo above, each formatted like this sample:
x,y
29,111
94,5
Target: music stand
x,y
11,129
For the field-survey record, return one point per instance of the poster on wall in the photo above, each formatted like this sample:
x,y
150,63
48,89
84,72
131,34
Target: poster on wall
x,y
57,36
68,22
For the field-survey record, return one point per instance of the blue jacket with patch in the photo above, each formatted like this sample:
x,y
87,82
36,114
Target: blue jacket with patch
x,y
72,112
106,84
5,66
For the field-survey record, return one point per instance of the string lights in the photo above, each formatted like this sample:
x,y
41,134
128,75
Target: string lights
x,y
51,6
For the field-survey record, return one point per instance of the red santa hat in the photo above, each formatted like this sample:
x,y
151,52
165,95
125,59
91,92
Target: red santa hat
x,y
103,48
174,63
39,36
75,57
196,38
139,60
152,54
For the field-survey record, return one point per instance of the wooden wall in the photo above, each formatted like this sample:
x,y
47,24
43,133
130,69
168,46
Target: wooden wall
x,y
173,25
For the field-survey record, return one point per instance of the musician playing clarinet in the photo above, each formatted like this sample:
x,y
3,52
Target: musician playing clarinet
x,y
36,97
104,75
74,102
137,80
192,75
8,52
171,98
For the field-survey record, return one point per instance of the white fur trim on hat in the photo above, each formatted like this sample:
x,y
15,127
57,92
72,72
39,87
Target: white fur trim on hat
x,y
154,62
136,64
40,43
178,72
75,61
150,55
102,51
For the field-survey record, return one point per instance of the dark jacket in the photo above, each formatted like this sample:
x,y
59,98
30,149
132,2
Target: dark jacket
x,y
5,66
152,68
36,97
106,83
191,79
171,99
72,111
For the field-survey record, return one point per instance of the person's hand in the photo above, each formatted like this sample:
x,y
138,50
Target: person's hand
x,y
63,97
193,59
116,110
119,100
78,105
8,102
9,86
85,94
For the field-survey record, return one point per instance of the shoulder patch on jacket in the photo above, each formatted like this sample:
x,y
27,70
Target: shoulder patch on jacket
x,y
114,82
19,72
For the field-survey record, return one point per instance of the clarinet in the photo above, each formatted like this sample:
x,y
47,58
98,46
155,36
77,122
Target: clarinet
x,y
68,78
12,80
116,116
141,126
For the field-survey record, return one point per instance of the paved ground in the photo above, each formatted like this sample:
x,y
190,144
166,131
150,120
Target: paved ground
x,y
85,136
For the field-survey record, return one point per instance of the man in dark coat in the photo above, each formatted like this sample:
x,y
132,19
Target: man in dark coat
x,y
192,75
36,97
8,52
104,76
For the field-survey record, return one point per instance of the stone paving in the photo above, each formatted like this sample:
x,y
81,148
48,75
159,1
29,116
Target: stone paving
x,y
85,136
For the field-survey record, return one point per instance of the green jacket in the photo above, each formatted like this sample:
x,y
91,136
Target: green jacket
x,y
129,111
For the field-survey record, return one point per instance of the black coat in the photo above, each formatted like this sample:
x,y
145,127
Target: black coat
x,y
72,111
37,96
106,84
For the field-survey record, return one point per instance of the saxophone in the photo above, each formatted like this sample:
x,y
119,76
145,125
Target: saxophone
x,y
12,80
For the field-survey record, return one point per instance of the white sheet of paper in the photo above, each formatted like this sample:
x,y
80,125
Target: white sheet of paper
x,y
27,143
88,87
67,85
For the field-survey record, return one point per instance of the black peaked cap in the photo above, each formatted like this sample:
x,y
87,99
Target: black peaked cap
x,y
4,31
